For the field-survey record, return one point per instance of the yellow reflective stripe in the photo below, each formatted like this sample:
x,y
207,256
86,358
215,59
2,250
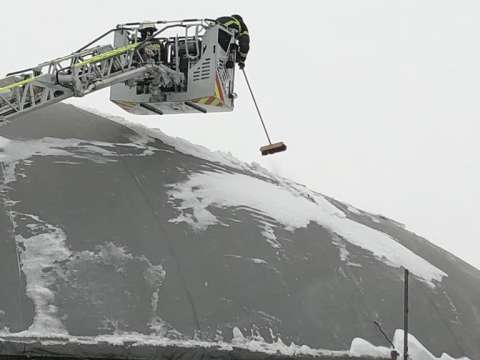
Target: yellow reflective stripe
x,y
233,21
245,32
15,85
202,101
216,102
107,55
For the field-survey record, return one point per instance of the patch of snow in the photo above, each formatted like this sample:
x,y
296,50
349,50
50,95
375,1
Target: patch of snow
x,y
67,162
268,317
344,254
154,301
353,210
155,276
252,260
292,209
375,219
362,347
110,325
111,253
3,143
259,261
203,218
10,203
255,334
352,264
3,328
12,152
39,257
158,327
452,306
256,343
237,336
416,350
269,234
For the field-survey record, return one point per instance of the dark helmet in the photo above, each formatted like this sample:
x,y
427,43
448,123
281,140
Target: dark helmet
x,y
237,17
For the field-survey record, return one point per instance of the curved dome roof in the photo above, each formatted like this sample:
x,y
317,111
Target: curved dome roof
x,y
111,228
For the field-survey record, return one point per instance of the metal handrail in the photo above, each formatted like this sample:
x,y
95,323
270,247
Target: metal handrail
x,y
100,37
195,39
160,22
125,27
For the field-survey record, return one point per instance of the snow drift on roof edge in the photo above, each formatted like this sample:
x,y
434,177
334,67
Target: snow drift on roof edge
x,y
359,348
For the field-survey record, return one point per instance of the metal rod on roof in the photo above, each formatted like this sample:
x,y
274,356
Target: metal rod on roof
x,y
405,316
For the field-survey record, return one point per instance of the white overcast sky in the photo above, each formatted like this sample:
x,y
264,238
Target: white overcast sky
x,y
377,100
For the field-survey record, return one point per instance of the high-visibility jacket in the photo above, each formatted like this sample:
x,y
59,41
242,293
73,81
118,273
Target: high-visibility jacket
x,y
242,34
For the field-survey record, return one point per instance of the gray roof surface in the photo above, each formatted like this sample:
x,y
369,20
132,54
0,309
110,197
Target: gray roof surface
x,y
112,206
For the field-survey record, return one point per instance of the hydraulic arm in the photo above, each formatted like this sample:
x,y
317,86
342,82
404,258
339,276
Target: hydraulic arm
x,y
138,57
152,68
77,75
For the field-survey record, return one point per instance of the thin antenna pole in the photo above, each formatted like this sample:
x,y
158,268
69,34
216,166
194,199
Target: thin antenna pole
x,y
256,106
405,317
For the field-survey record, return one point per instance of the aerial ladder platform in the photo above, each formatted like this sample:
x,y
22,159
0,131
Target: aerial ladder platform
x,y
152,68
